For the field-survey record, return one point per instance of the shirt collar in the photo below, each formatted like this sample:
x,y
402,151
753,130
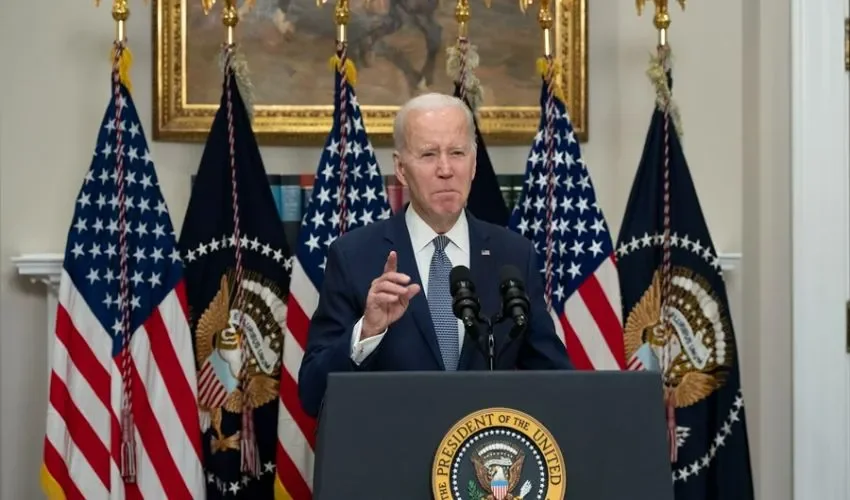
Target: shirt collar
x,y
421,234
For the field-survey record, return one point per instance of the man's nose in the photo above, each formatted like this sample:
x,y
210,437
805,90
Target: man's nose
x,y
444,167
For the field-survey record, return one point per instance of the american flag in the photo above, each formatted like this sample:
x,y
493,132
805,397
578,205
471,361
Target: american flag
x,y
558,211
346,195
83,441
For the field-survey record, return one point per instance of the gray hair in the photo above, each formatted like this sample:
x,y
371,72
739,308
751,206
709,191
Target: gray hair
x,y
430,101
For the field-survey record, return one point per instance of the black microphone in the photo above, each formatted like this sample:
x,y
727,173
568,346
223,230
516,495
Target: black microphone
x,y
465,303
515,303
466,307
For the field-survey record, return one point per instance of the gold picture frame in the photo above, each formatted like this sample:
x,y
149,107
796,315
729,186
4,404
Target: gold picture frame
x,y
187,78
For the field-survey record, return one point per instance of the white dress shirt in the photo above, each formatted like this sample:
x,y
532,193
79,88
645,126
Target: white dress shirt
x,y
421,238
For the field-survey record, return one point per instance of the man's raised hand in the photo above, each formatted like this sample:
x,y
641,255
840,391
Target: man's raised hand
x,y
388,298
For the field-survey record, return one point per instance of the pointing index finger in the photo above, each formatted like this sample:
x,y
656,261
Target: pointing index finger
x,y
392,262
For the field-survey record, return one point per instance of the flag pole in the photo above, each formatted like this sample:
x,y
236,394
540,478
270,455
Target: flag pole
x,y
121,62
661,19
120,53
463,58
547,68
230,18
234,65
659,74
120,13
347,72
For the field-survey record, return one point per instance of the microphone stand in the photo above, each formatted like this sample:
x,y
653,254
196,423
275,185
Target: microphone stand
x,y
488,350
517,330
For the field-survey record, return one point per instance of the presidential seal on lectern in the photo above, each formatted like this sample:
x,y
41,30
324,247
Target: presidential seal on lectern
x,y
498,454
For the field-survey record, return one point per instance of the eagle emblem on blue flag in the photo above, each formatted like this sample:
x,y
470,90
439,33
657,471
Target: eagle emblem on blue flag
x,y
219,334
677,314
693,347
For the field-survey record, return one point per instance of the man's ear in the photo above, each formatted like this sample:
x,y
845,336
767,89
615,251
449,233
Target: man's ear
x,y
399,168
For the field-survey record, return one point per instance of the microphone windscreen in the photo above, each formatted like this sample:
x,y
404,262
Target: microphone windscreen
x,y
457,275
509,273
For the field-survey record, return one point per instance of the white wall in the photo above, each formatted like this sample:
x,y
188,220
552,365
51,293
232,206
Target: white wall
x,y
731,83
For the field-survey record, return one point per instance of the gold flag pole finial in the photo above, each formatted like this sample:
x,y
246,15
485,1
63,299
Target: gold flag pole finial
x,y
661,20
544,19
462,15
229,15
342,13
340,61
120,13
230,18
120,55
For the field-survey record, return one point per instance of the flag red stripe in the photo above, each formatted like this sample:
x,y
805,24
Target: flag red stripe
x,y
57,468
575,349
635,365
132,492
79,429
211,393
172,374
154,441
82,357
297,321
605,317
289,397
290,477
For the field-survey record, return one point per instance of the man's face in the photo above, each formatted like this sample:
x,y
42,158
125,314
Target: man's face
x,y
438,161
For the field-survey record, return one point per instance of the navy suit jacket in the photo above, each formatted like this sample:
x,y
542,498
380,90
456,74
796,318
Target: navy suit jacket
x,y
358,257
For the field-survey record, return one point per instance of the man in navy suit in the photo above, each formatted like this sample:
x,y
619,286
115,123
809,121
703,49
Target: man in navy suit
x,y
385,303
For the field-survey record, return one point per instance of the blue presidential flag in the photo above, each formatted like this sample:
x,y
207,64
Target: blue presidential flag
x,y
486,200
677,321
237,280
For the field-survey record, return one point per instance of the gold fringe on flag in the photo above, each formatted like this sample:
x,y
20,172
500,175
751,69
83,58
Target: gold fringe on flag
x,y
350,68
50,486
657,73
543,71
124,65
471,84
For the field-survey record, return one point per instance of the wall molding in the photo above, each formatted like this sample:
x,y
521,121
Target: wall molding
x,y
820,185
43,268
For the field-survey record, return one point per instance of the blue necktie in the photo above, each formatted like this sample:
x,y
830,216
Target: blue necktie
x,y
440,303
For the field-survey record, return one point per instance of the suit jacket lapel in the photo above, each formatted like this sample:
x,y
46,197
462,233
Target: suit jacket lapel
x,y
485,280
399,236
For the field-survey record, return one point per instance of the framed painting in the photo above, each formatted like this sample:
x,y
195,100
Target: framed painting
x,y
287,44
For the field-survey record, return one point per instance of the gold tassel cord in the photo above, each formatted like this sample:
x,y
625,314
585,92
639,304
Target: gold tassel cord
x,y
350,69
543,71
657,73
471,84
124,65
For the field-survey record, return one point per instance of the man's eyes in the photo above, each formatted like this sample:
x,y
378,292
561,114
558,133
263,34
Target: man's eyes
x,y
431,154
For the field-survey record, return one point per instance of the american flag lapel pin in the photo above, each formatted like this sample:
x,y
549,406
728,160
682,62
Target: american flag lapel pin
x,y
485,252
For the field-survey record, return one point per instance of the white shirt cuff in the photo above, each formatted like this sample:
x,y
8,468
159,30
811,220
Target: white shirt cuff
x,y
361,349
